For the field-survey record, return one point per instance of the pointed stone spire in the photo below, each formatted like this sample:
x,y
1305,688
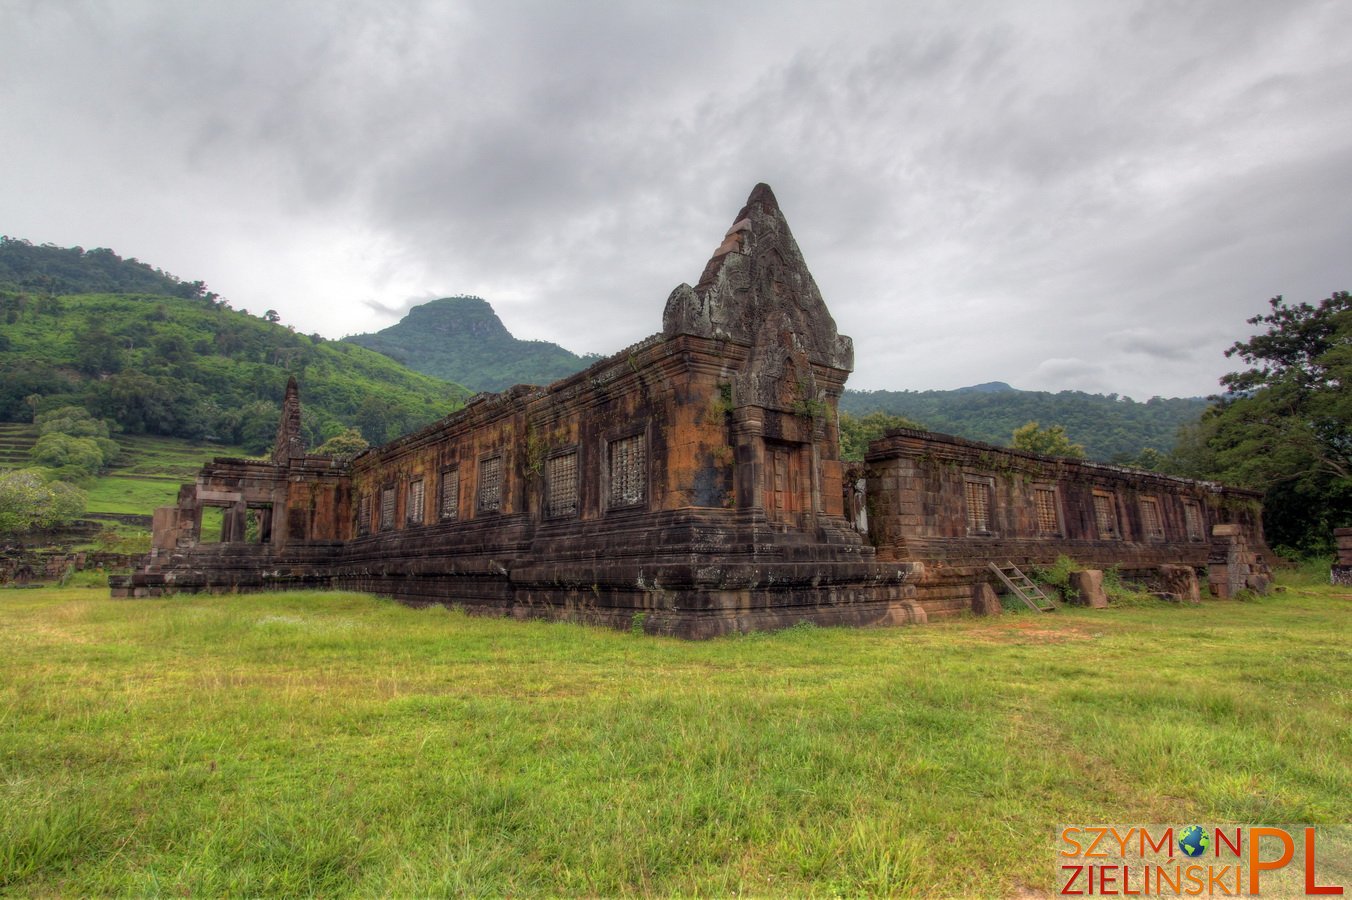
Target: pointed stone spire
x,y
289,441
757,281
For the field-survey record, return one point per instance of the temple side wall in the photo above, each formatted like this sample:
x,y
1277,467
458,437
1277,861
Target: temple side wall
x,y
730,520
954,505
702,447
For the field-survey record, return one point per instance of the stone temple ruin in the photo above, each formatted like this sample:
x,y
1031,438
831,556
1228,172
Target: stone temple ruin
x,y
691,484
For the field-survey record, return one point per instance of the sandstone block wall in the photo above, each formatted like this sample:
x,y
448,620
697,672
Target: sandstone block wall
x,y
1342,564
691,482
956,505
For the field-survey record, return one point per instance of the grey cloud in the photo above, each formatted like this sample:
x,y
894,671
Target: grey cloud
x,y
974,186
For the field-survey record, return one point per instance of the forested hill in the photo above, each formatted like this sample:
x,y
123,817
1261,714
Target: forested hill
x,y
196,369
1111,428
157,355
47,269
461,339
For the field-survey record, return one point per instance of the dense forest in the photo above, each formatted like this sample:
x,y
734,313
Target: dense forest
x,y
153,360
461,339
1111,428
46,269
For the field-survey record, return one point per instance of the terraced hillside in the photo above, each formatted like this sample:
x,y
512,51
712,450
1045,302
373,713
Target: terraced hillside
x,y
152,470
148,474
15,442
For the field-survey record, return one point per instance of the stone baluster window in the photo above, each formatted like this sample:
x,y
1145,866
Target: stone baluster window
x,y
387,508
1192,519
1048,517
490,484
978,497
561,485
1151,522
450,494
628,471
364,514
1105,515
416,504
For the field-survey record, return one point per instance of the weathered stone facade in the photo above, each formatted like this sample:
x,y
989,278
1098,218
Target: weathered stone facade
x,y
953,505
691,484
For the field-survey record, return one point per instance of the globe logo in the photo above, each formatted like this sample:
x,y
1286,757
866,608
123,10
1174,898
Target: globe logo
x,y
1193,841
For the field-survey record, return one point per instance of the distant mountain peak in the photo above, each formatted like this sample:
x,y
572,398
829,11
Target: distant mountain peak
x,y
461,339
989,387
458,315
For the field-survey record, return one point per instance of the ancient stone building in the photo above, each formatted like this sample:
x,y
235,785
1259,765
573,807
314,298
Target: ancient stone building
x,y
952,506
691,484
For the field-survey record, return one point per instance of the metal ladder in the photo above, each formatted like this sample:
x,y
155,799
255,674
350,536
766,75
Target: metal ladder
x,y
1022,587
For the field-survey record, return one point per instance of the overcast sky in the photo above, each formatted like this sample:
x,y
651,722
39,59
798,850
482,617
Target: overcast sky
x,y
1061,195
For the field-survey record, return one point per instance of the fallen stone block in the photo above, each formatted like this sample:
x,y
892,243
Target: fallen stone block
x,y
985,602
1088,587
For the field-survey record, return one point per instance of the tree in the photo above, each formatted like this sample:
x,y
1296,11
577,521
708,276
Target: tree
x,y
98,354
857,432
1285,424
69,457
72,420
1049,441
27,502
347,443
373,418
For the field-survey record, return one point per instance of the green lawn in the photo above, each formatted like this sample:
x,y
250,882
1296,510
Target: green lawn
x,y
138,496
337,743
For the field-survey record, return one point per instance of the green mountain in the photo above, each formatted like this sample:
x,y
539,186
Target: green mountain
x,y
1111,428
461,339
157,362
47,269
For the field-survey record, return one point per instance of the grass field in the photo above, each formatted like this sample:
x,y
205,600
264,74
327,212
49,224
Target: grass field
x,y
150,473
336,743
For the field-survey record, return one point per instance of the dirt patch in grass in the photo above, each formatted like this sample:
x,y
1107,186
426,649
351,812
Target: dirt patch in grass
x,y
1038,631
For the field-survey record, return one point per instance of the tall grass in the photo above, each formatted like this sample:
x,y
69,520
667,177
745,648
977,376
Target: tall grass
x,y
335,743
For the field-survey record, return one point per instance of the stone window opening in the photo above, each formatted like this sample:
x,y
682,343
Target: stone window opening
x,y
561,484
1048,511
387,500
450,494
211,524
364,514
490,484
1151,523
628,472
977,494
1192,519
1105,515
416,501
